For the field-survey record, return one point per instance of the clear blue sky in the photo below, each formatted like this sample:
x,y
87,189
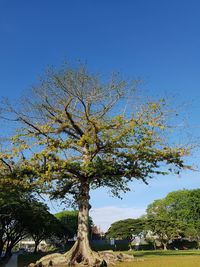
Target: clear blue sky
x,y
157,40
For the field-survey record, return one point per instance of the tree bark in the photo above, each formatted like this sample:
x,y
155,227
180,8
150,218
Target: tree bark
x,y
81,251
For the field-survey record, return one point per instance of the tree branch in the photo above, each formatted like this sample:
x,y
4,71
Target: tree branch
x,y
8,165
74,125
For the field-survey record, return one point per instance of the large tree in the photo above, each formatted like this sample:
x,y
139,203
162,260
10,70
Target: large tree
x,y
83,133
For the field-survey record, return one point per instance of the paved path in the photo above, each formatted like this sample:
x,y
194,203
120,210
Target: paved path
x,y
13,261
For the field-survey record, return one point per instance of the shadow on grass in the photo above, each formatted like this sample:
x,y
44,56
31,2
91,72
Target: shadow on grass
x,y
25,259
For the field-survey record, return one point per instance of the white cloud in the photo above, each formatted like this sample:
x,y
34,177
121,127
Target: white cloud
x,y
103,217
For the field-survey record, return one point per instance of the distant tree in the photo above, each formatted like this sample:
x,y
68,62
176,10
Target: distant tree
x,y
124,229
83,135
69,219
164,230
178,214
185,207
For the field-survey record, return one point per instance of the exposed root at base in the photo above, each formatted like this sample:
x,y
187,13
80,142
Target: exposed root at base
x,y
93,259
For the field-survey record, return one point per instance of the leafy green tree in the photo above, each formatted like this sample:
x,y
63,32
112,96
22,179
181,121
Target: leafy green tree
x,y
178,214
21,214
163,226
69,219
39,223
164,230
185,207
124,229
13,202
11,229
81,134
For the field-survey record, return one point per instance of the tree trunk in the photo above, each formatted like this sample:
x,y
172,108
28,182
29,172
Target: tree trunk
x,y
81,251
1,247
198,242
36,246
164,246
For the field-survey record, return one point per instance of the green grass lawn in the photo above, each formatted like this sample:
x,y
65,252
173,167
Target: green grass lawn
x,y
168,261
156,253
171,258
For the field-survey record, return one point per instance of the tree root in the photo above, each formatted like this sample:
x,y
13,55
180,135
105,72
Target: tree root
x,y
93,259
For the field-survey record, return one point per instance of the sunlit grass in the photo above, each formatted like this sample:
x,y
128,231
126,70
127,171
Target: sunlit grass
x,y
155,253
168,261
189,258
